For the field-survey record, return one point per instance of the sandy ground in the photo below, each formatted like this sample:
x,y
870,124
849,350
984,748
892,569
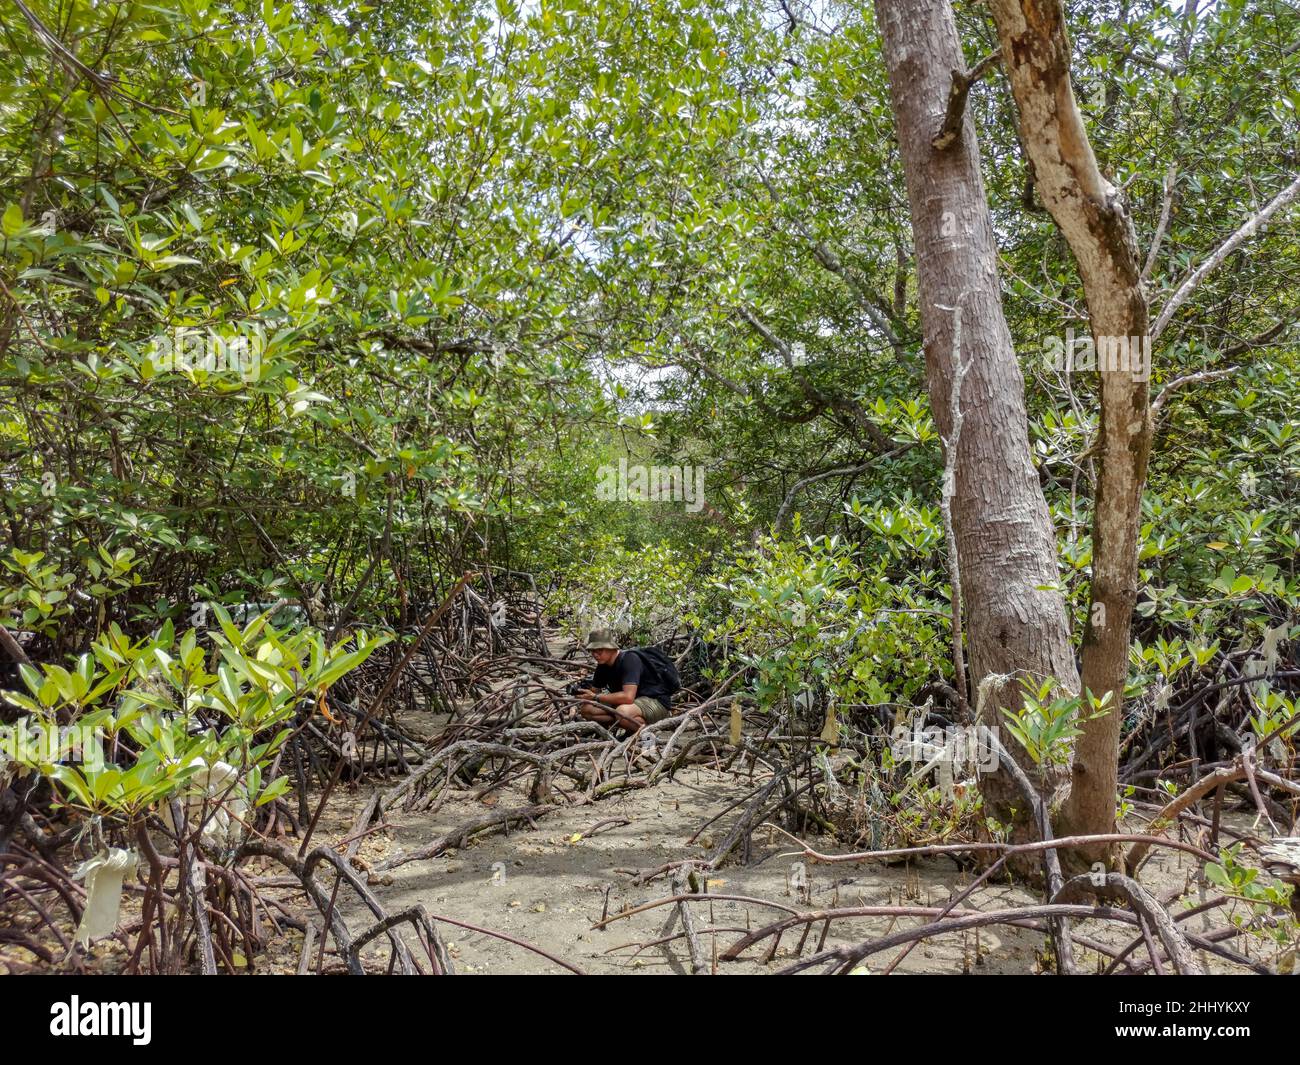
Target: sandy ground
x,y
550,884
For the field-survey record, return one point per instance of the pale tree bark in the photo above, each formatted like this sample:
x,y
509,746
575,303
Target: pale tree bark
x,y
1092,217
1006,547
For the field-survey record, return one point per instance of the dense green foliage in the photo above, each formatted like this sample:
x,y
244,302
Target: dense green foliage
x,y
477,251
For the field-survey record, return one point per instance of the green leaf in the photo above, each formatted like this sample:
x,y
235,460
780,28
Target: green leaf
x,y
1217,875
72,782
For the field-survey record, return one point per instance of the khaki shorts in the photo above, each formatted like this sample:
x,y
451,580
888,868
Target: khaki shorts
x,y
652,710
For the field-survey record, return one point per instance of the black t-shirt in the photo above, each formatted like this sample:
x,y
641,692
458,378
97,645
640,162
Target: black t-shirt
x,y
626,669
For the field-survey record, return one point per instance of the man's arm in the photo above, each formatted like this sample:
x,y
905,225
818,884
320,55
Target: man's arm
x,y
621,698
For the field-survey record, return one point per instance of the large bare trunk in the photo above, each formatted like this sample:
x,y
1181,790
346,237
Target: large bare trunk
x,y
1005,543
1092,217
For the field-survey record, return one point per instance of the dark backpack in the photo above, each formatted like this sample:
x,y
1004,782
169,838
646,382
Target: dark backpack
x,y
661,667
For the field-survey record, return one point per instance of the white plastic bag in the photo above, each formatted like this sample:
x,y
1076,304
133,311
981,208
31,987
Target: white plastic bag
x,y
220,785
103,874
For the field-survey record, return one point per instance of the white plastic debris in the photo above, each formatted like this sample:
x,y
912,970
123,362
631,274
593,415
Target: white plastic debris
x,y
220,787
648,742
1252,668
103,874
1269,647
1163,694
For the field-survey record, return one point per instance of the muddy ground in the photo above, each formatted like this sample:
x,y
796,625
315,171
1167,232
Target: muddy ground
x,y
550,884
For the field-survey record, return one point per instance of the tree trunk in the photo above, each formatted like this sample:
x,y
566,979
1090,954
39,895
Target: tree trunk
x,y
1005,542
1091,215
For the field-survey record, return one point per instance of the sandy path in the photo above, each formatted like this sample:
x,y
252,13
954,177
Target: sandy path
x,y
544,886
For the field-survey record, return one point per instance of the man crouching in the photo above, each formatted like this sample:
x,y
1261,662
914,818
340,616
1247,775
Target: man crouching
x,y
625,691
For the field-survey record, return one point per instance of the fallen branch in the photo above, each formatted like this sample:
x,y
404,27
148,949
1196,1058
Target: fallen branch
x,y
1117,886
501,819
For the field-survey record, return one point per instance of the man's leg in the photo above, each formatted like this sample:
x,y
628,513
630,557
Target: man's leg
x,y
627,717
597,712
